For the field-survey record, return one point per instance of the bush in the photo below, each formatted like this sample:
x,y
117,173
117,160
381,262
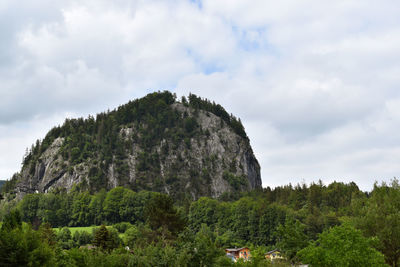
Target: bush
x,y
82,238
122,226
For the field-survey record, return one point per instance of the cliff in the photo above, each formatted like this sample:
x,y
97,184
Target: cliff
x,y
188,148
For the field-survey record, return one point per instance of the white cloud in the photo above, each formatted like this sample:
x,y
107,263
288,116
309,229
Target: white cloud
x,y
315,83
16,137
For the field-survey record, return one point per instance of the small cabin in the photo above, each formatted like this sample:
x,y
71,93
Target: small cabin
x,y
242,253
274,255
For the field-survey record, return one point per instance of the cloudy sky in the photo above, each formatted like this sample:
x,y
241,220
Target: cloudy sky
x,y
316,83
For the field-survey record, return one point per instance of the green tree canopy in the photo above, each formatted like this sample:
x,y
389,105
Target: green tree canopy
x,y
161,213
341,246
102,238
291,238
380,217
22,246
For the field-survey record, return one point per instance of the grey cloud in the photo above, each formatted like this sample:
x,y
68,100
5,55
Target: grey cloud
x,y
315,84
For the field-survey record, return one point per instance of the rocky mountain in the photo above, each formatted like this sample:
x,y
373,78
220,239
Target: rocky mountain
x,y
186,148
2,182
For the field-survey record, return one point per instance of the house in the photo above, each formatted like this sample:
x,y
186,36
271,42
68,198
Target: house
x,y
274,255
230,256
243,253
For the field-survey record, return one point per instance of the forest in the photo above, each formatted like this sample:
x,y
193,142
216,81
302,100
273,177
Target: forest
x,y
96,224
317,224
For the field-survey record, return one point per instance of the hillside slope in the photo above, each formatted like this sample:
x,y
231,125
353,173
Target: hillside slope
x,y
188,148
2,182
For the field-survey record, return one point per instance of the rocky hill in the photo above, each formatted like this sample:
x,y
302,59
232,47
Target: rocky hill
x,y
2,182
187,148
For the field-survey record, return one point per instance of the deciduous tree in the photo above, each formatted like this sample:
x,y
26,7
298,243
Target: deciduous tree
x,y
341,246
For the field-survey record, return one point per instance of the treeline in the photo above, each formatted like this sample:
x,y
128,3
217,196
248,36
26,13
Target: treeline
x,y
141,245
229,218
295,219
84,209
336,225
252,218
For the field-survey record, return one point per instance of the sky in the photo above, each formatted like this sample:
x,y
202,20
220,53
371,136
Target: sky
x,y
315,83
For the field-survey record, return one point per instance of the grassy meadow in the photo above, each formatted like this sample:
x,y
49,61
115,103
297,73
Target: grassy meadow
x,y
88,229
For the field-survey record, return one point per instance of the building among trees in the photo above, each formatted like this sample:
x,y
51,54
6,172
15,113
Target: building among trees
x,y
243,253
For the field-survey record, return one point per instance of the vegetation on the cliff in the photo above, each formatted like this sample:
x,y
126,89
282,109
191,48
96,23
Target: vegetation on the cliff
x,y
152,115
153,143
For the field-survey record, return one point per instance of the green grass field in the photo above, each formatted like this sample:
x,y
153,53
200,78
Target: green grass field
x,y
88,229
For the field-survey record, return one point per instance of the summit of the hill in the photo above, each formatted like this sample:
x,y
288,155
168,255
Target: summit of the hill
x,y
186,148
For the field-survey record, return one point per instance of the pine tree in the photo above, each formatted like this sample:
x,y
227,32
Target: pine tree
x,y
102,238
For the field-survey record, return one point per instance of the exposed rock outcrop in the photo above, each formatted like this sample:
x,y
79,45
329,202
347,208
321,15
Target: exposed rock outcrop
x,y
207,158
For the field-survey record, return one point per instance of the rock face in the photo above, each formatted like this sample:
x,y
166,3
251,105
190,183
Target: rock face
x,y
201,156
